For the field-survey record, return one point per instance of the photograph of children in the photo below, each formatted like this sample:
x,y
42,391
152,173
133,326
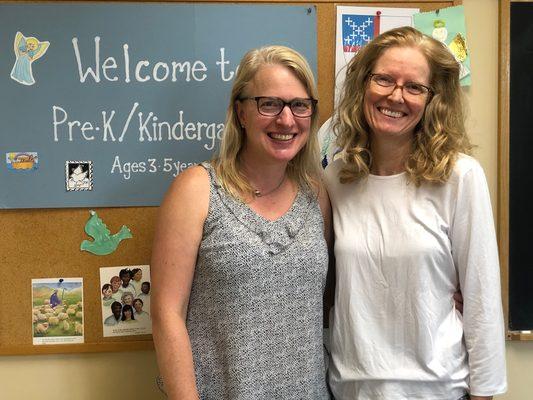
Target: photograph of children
x,y
57,310
125,294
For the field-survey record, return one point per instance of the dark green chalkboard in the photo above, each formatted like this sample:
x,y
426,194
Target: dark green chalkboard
x,y
520,167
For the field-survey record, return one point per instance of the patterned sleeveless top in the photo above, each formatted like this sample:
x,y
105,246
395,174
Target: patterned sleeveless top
x,y
255,308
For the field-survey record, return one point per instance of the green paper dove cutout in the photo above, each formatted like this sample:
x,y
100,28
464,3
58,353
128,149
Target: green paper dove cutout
x,y
104,243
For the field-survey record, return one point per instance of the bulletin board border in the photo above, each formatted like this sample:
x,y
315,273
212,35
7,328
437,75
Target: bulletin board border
x,y
77,348
504,79
326,10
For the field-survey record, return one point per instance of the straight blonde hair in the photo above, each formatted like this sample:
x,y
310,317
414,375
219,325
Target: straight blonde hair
x,y
304,167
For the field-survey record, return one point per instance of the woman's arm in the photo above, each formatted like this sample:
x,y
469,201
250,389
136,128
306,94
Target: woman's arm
x,y
475,254
177,238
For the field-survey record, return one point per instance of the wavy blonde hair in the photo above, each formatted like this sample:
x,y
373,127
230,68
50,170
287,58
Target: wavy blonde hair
x,y
439,136
303,168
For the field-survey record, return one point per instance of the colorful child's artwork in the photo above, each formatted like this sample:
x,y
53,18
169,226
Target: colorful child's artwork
x,y
27,50
125,294
22,161
447,25
57,310
356,26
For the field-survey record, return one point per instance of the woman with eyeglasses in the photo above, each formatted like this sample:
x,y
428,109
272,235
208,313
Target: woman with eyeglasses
x,y
240,258
412,222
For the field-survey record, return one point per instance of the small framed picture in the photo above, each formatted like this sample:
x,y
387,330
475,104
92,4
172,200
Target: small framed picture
x,y
78,175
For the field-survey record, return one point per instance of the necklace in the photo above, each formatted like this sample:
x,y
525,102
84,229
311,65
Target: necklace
x,y
258,193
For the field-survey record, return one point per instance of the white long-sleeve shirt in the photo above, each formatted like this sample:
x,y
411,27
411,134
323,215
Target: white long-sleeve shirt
x,y
401,251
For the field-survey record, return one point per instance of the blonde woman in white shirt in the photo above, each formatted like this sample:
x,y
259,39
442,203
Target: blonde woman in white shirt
x,y
413,223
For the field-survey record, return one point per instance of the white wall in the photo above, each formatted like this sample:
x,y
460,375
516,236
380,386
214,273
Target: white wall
x,y
131,375
482,26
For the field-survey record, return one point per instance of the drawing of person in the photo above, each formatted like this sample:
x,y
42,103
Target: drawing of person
x,y
136,276
54,299
140,314
127,315
145,295
127,298
27,50
107,295
115,286
126,286
114,319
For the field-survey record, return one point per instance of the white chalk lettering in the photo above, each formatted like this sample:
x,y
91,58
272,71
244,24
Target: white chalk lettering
x,y
56,122
143,128
141,64
87,126
107,125
151,129
126,62
96,72
157,67
143,70
222,63
127,124
109,63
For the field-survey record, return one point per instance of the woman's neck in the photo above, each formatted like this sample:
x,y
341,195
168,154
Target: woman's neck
x,y
389,155
264,177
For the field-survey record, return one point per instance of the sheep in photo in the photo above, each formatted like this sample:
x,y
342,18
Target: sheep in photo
x,y
78,328
53,321
41,328
62,316
65,326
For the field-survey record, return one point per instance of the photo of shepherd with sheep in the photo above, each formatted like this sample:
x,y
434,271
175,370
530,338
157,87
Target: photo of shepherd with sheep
x,y
57,310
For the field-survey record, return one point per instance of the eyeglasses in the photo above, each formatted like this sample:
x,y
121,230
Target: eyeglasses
x,y
273,106
389,83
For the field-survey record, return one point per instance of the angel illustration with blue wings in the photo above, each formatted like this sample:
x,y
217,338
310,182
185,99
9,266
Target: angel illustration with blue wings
x,y
27,50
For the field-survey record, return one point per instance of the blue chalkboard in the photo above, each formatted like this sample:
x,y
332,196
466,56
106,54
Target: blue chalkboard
x,y
102,104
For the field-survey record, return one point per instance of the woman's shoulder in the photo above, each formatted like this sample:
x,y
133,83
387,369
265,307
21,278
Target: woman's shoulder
x,y
195,174
193,180
188,193
465,165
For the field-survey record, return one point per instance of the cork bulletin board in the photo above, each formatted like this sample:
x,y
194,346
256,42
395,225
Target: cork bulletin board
x,y
42,243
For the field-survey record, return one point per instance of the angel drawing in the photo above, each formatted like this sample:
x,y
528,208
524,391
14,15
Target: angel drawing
x,y
27,50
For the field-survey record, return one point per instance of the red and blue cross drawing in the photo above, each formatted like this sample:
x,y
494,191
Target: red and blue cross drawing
x,y
358,30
